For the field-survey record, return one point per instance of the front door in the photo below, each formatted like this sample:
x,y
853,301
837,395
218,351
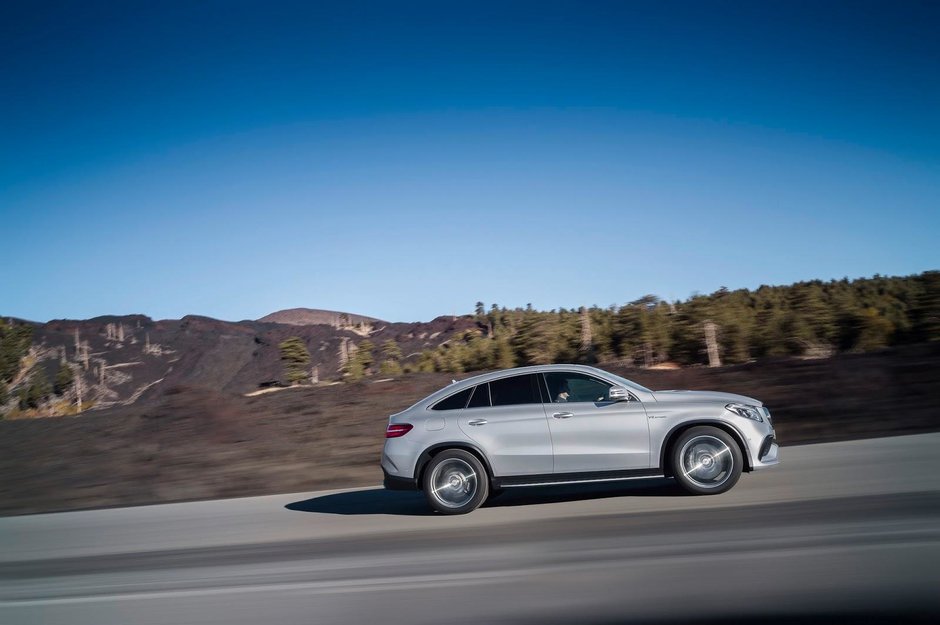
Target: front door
x,y
591,433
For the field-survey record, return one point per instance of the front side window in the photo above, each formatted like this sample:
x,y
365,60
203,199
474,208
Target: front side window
x,y
518,389
567,386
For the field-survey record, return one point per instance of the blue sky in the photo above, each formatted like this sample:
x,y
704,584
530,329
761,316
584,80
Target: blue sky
x,y
405,160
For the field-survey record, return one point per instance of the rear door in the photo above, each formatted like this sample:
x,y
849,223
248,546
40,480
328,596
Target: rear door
x,y
591,433
506,419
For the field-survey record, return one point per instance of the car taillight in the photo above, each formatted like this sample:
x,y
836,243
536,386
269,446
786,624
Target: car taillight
x,y
394,430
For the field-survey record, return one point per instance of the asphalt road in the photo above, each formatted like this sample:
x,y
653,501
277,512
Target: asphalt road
x,y
837,531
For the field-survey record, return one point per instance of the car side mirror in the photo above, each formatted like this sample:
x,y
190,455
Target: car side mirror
x,y
618,393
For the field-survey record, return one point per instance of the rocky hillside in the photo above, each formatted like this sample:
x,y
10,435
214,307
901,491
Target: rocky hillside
x,y
117,360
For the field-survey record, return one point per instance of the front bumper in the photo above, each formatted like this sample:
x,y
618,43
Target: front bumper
x,y
767,455
763,454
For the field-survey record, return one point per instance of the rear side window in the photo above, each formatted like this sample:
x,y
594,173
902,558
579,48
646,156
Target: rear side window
x,y
454,402
519,389
480,397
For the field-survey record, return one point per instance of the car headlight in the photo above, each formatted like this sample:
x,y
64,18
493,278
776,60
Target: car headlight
x,y
748,412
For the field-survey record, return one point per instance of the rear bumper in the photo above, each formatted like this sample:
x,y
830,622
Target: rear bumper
x,y
395,482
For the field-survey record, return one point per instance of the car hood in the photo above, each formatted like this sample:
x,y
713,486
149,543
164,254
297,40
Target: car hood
x,y
710,396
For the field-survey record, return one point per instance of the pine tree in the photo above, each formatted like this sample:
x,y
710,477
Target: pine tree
x,y
875,331
296,359
360,361
391,350
63,379
38,389
364,353
479,352
354,371
391,365
503,357
537,341
926,308
15,340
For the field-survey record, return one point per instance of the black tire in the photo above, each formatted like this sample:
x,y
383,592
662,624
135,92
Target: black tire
x,y
706,461
455,482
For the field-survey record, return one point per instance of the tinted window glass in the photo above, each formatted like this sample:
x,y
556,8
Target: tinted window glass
x,y
570,387
454,402
519,389
480,397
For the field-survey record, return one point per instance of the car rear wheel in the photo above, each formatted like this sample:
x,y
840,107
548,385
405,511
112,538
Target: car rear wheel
x,y
455,482
706,461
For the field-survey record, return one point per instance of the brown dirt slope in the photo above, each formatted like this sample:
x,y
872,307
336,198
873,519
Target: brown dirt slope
x,y
194,443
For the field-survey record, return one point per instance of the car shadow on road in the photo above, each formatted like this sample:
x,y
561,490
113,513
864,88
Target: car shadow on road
x,y
371,501
381,501
653,487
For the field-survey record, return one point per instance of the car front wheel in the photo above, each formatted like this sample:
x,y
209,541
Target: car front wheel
x,y
455,482
706,461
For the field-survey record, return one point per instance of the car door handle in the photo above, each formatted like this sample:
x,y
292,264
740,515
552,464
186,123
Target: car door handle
x,y
563,415
477,422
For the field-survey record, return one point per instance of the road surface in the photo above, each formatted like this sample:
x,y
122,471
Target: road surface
x,y
844,530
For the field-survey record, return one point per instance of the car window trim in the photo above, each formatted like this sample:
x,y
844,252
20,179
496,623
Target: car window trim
x,y
543,387
544,390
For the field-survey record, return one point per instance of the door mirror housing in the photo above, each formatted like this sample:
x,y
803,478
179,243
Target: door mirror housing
x,y
618,393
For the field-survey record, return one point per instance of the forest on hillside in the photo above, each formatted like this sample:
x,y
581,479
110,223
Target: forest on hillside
x,y
814,318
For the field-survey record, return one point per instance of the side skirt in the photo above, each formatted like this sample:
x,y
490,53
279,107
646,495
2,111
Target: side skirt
x,y
549,479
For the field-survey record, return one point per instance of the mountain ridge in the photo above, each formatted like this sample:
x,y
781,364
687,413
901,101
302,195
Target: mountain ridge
x,y
317,316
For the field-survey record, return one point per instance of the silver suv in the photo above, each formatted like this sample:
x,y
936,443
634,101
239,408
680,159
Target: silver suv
x,y
558,424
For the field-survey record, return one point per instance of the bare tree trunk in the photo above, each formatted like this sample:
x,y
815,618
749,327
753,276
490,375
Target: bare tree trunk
x,y
315,375
77,374
711,343
587,340
343,352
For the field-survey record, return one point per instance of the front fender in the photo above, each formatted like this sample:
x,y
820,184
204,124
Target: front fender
x,y
673,433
